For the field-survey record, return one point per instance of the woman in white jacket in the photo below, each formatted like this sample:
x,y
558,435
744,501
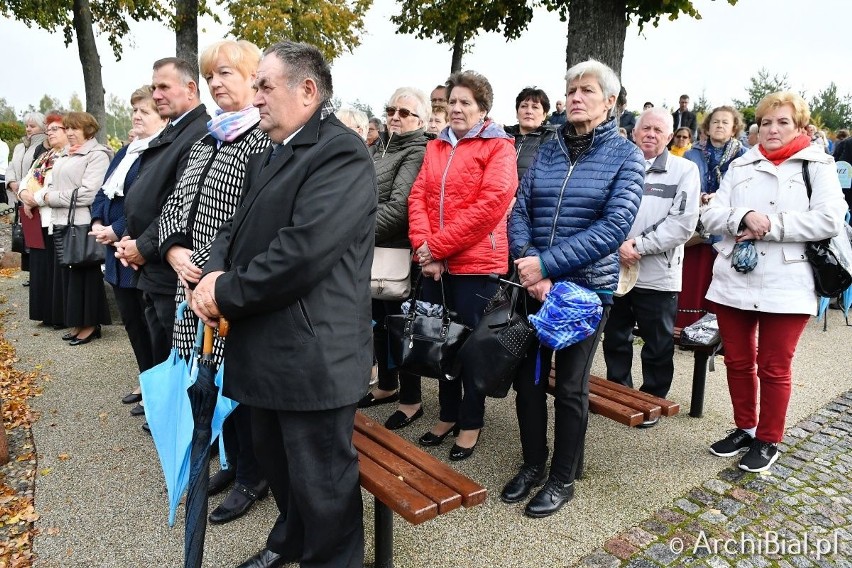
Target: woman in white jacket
x,y
763,200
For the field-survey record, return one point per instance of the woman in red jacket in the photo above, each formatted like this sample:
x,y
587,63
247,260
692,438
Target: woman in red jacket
x,y
457,226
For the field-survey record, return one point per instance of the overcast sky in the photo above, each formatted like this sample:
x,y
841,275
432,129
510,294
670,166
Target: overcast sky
x,y
717,54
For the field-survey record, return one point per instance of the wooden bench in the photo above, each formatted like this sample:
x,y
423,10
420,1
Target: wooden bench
x,y
623,404
408,481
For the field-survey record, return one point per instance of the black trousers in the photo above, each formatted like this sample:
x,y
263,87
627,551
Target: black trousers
x,y
654,313
160,315
460,400
571,404
131,306
239,446
312,468
389,376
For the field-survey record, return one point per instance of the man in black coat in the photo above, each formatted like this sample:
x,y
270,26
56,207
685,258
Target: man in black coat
x,y
290,271
843,153
683,117
162,164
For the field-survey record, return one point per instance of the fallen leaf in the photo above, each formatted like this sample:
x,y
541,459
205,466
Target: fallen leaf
x,y
64,457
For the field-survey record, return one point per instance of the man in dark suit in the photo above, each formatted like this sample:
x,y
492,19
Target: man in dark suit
x,y
683,117
291,273
162,164
843,153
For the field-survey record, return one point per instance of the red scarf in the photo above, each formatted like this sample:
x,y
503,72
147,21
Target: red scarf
x,y
800,142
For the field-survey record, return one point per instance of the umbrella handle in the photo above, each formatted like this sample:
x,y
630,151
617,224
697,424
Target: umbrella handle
x,y
224,327
207,349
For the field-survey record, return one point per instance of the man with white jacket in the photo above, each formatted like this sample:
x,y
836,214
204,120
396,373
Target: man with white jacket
x,y
666,219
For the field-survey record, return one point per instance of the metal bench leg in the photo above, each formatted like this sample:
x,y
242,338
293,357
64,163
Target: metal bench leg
x,y
384,535
699,378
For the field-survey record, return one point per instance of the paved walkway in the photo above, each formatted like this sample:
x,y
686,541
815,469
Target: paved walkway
x,y
103,504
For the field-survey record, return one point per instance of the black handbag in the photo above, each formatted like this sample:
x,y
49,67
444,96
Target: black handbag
x,y
18,244
75,248
426,345
494,351
831,278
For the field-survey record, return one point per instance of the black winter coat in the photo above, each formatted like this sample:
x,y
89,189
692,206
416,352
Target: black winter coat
x,y
526,145
162,164
396,169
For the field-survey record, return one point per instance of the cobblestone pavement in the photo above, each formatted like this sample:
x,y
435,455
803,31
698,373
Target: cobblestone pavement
x,y
798,514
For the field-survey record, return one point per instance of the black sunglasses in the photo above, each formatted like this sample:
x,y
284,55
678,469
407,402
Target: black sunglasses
x,y
403,112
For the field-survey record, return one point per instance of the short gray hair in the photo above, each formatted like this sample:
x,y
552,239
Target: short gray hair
x,y
304,61
350,116
753,128
659,113
423,102
607,79
35,117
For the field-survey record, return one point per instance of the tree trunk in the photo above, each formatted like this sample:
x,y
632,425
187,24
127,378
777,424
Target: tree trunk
x,y
597,29
186,32
91,62
458,51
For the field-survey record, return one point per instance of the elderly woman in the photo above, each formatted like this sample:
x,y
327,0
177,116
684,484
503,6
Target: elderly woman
x,y
762,313
47,299
81,170
681,141
376,133
439,119
205,197
531,107
397,167
355,119
575,207
109,223
457,226
722,127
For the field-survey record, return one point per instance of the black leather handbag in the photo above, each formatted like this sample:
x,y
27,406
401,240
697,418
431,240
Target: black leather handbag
x,y
426,345
494,351
831,278
18,244
75,248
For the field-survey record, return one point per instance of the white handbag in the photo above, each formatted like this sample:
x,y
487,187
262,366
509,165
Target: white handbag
x,y
390,276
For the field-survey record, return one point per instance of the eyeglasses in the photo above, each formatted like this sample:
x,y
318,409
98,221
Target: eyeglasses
x,y
55,128
403,112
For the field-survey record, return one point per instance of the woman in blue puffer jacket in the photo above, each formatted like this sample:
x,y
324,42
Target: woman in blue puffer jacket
x,y
575,207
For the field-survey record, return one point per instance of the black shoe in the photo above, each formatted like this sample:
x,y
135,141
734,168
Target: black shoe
x,y
131,398
370,400
137,410
69,336
264,559
458,453
735,442
220,480
400,419
649,423
238,502
430,439
25,284
58,326
760,456
519,487
146,428
549,499
96,334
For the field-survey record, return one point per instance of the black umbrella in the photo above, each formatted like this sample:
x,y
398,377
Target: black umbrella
x,y
203,394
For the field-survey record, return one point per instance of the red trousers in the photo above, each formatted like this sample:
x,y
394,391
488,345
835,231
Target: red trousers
x,y
760,361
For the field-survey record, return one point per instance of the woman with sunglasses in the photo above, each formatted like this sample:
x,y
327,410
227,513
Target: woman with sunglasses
x,y
397,166
681,142
457,225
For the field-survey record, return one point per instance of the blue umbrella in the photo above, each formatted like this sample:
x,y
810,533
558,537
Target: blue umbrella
x,y
822,311
169,412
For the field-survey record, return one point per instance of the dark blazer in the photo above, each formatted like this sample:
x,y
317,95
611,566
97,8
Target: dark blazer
x,y
296,289
688,120
162,164
110,212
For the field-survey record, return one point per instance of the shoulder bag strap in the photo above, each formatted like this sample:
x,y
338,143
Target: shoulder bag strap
x,y
806,177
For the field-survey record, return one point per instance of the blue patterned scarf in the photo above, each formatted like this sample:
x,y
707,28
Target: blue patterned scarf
x,y
718,160
228,126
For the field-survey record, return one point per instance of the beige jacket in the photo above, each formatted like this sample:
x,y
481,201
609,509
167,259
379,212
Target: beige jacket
x,y
83,170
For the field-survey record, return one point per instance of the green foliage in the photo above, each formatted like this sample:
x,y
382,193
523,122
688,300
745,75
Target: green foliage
x,y
701,105
110,16
334,26
832,110
48,103
11,132
642,12
761,85
75,104
7,112
114,143
119,118
363,107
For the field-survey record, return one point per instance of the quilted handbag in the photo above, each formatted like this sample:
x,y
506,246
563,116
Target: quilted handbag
x,y
390,276
494,351
427,345
74,246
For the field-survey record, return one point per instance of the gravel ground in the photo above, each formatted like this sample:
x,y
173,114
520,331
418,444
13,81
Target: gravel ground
x,y
105,503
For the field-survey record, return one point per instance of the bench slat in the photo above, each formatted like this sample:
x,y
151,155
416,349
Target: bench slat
x,y
395,493
667,407
615,411
648,409
443,496
471,492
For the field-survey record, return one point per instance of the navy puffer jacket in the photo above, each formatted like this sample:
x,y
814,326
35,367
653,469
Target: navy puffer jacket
x,y
575,216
